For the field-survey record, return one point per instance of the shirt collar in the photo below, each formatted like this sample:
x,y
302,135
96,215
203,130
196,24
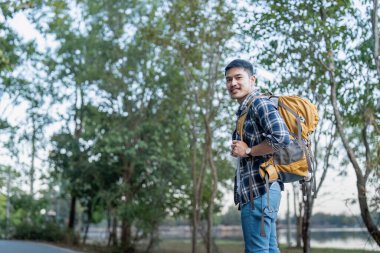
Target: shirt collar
x,y
244,106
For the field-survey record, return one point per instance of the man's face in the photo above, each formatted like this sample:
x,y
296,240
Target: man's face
x,y
239,83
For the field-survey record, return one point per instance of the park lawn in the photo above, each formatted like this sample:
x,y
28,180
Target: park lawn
x,y
226,246
184,246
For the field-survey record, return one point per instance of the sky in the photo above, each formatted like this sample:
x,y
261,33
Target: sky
x,y
336,188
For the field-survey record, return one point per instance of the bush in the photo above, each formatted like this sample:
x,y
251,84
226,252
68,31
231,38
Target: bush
x,y
43,232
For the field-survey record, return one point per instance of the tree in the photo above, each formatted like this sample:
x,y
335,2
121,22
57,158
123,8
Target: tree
x,y
358,124
126,109
315,51
198,33
18,84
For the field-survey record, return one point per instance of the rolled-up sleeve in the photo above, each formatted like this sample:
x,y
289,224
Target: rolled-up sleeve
x,y
275,131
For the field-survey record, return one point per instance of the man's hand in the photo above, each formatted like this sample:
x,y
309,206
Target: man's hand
x,y
238,149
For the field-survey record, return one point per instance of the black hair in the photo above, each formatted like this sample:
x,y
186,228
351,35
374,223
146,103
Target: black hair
x,y
239,63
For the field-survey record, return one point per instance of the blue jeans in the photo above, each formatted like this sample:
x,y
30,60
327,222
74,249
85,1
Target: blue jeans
x,y
251,222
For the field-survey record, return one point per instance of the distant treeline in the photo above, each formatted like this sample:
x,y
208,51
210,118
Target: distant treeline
x,y
232,217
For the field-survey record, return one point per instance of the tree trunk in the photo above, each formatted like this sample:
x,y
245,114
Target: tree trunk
x,y
87,226
198,184
78,121
288,219
197,191
297,217
71,223
308,205
88,221
195,205
211,246
114,231
33,155
109,224
126,228
299,228
154,238
111,228
126,237
8,205
194,230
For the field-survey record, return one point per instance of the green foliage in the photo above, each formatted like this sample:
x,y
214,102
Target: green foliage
x,y
128,154
3,203
26,208
48,231
26,220
13,51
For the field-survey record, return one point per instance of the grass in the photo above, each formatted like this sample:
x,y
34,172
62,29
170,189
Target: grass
x,y
224,246
227,246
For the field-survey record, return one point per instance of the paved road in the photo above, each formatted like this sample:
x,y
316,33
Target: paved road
x,y
7,246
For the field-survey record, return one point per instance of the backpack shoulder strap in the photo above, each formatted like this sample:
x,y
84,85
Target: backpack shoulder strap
x,y
243,116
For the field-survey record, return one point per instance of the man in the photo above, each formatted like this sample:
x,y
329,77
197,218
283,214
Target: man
x,y
263,132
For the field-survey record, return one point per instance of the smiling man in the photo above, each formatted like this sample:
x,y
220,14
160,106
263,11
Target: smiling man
x,y
261,133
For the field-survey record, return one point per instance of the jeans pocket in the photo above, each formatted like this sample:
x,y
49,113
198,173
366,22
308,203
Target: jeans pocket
x,y
271,208
246,210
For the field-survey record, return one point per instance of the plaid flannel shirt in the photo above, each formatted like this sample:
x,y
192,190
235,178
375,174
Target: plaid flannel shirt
x,y
263,123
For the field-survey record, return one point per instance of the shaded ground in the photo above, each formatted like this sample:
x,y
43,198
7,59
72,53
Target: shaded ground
x,y
14,246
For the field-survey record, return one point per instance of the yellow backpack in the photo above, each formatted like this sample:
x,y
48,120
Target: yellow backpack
x,y
293,163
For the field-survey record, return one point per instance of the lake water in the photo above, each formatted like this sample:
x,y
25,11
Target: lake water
x,y
345,238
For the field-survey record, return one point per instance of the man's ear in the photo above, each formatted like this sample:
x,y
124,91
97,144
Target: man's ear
x,y
253,78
